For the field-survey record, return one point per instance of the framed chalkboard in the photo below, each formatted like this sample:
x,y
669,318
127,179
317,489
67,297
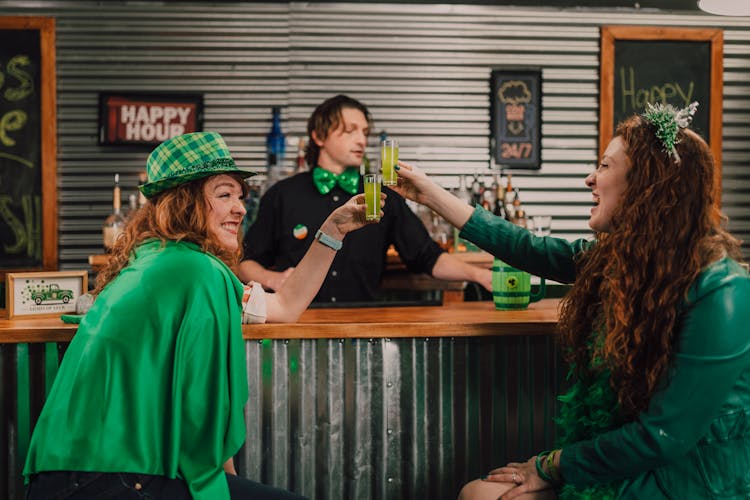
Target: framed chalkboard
x,y
669,65
515,117
28,144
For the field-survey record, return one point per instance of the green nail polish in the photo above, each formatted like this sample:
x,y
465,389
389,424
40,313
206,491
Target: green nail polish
x,y
483,477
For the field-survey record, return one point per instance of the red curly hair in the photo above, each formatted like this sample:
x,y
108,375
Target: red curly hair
x,y
177,214
631,286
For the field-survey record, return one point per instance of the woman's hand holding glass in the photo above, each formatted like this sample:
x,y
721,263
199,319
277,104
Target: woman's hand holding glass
x,y
349,216
413,183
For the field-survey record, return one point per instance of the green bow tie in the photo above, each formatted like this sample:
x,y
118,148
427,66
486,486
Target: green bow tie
x,y
348,180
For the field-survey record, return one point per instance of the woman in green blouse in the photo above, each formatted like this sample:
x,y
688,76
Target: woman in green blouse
x,y
655,326
149,398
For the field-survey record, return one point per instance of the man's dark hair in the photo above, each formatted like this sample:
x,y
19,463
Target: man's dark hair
x,y
325,118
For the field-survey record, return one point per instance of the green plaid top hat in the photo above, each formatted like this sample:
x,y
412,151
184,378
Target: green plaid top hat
x,y
188,157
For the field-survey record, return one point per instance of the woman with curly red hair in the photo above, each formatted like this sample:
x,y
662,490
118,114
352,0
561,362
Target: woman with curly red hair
x,y
654,326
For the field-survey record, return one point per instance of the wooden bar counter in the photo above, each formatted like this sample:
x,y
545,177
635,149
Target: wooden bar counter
x,y
352,389
455,319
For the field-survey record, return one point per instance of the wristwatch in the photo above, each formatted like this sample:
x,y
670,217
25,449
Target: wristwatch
x,y
328,241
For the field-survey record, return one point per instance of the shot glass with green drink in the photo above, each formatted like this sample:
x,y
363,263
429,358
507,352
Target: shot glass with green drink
x,y
389,159
372,197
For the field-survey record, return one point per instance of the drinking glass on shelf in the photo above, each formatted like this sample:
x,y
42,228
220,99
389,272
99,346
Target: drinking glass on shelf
x,y
542,225
372,196
389,159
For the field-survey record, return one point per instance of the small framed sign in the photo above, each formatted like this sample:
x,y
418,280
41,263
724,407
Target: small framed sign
x,y
44,293
515,118
148,119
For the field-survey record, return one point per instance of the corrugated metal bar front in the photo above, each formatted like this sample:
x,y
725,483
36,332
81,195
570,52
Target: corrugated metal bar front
x,y
355,418
395,418
26,375
11,460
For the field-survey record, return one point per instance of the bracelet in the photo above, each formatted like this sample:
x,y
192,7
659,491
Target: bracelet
x,y
540,469
554,471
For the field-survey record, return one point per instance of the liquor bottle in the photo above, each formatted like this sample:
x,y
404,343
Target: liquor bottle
x,y
519,214
115,222
132,206
252,202
142,179
275,149
521,218
489,197
301,165
499,197
476,190
464,192
508,200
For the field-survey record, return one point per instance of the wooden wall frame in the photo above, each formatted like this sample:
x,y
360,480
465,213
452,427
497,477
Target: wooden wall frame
x,y
48,147
44,294
715,37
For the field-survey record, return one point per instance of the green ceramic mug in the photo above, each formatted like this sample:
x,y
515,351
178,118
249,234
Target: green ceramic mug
x,y
511,287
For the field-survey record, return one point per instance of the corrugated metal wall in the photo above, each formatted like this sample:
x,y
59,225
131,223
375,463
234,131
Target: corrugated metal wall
x,y
422,69
352,419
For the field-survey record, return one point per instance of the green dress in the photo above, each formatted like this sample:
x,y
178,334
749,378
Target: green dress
x,y
154,381
693,441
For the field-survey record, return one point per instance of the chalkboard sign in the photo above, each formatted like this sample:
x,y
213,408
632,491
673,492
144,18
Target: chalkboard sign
x,y
669,65
677,73
28,219
515,116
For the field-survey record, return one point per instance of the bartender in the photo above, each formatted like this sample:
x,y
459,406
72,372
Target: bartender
x,y
292,208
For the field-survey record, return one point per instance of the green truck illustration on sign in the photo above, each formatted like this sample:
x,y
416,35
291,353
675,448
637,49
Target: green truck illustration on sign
x,y
51,292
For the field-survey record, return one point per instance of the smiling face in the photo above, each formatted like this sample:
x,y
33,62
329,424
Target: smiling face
x,y
226,209
608,183
344,146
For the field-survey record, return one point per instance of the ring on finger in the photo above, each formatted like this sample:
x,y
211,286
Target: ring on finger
x,y
515,479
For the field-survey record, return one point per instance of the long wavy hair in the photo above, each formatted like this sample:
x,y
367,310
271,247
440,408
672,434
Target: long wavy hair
x,y
325,119
631,286
177,214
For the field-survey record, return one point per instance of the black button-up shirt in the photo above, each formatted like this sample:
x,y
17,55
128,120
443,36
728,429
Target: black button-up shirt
x,y
291,212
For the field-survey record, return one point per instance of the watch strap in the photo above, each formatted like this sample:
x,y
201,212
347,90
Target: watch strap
x,y
328,241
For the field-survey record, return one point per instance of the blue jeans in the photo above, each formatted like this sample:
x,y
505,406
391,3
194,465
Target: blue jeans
x,y
72,485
